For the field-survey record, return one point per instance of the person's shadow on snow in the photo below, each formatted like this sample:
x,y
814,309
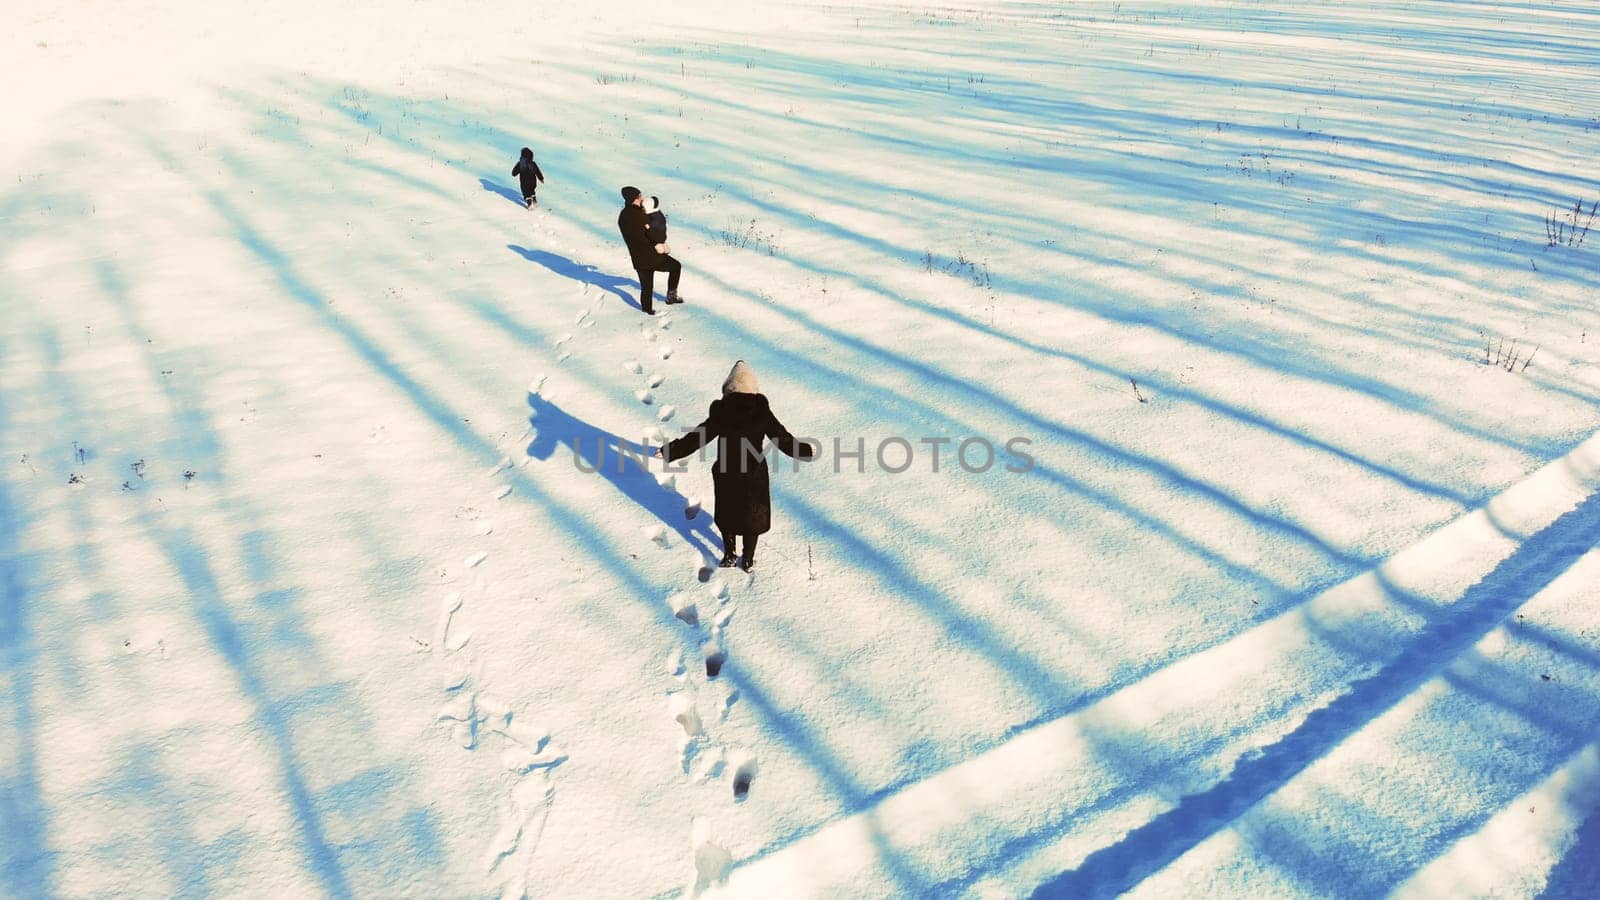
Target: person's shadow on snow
x,y
622,287
503,191
597,452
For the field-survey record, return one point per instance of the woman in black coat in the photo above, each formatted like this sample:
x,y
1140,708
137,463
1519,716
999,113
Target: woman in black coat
x,y
528,171
740,422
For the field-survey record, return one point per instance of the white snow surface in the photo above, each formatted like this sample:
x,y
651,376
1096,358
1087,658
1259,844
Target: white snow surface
x,y
303,594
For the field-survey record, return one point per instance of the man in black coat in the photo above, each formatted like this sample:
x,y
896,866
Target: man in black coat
x,y
740,423
634,223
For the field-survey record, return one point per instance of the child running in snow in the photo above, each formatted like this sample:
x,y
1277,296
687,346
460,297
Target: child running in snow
x,y
531,176
740,423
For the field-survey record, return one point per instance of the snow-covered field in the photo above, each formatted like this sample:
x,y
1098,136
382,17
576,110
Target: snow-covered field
x,y
1297,594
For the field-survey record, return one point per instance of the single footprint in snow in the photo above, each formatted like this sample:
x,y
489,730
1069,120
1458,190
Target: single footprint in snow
x,y
476,558
582,316
692,738
667,412
692,508
483,528
531,800
463,711
454,680
728,701
682,606
503,492
447,608
633,366
658,534
675,663
688,750
711,860
722,618
744,772
537,384
666,352
644,396
680,705
715,657
654,381
504,842
504,463
563,339
563,356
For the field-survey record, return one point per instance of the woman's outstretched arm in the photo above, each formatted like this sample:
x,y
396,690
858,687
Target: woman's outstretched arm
x,y
785,441
703,434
